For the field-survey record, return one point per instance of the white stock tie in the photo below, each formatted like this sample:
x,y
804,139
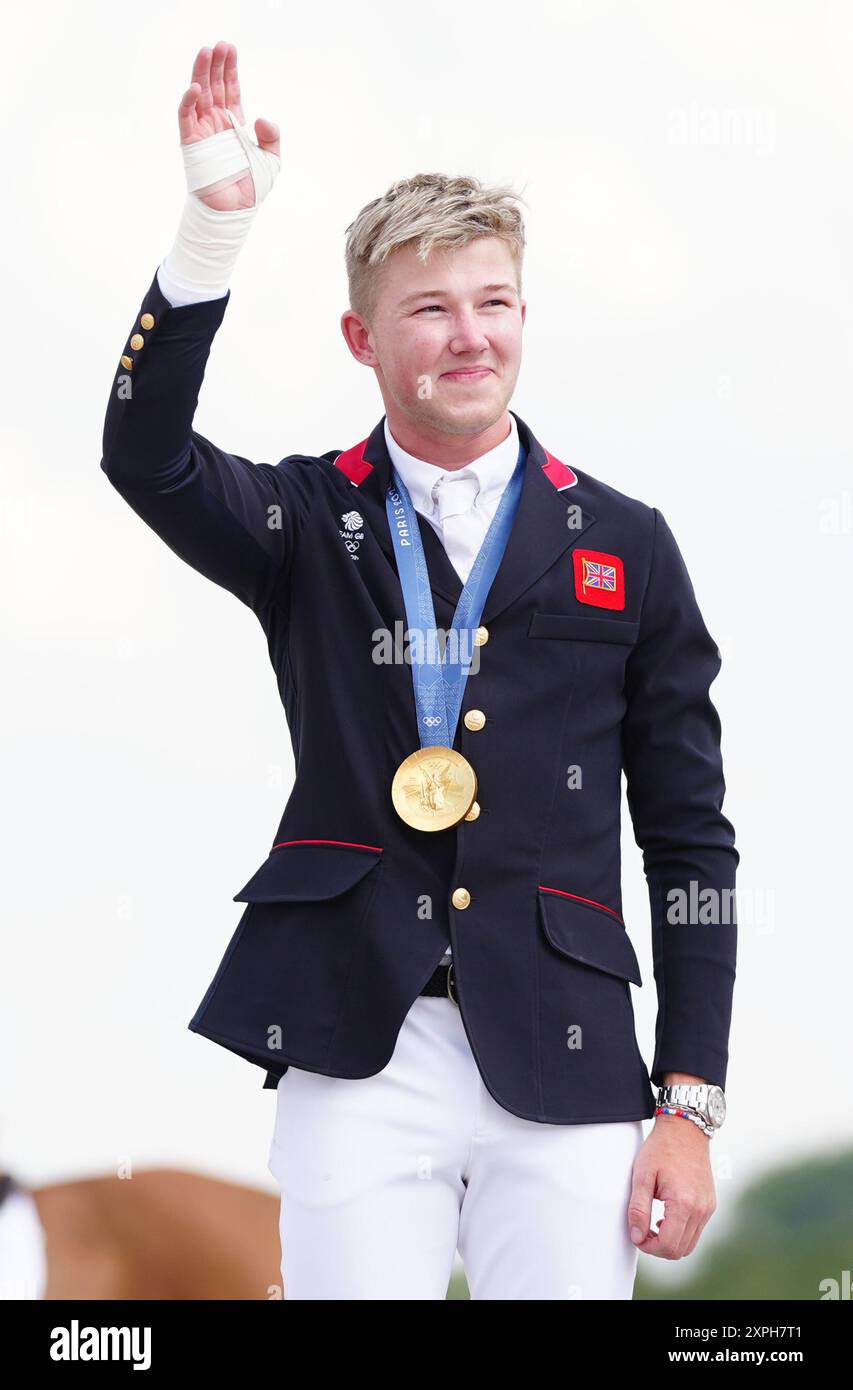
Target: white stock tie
x,y
462,526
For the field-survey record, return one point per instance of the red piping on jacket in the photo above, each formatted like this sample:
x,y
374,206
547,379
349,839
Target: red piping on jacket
x,y
353,843
564,894
356,467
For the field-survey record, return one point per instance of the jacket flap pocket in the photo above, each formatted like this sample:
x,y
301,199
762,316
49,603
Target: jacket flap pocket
x,y
582,629
589,933
309,870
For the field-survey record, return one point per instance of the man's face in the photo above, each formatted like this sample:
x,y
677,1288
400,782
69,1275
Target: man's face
x,y
445,340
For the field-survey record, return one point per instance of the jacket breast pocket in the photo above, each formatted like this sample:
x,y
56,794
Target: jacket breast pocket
x,y
577,628
591,652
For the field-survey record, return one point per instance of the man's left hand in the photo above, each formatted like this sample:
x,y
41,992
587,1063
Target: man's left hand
x,y
673,1165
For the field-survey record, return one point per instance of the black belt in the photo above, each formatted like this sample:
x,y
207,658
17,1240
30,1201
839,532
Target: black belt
x,y
441,982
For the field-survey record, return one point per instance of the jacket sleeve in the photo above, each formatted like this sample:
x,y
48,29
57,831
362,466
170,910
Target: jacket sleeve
x,y
675,790
234,521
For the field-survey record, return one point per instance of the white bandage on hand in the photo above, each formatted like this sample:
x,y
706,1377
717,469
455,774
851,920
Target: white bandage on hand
x,y
201,261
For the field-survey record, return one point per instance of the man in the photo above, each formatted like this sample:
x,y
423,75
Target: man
x,y
432,966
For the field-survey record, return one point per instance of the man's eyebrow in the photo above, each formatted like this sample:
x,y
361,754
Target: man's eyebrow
x,y
441,294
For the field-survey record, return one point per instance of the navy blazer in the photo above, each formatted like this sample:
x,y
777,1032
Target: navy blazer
x,y
596,660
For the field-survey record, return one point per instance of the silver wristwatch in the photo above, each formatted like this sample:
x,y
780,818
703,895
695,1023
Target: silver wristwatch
x,y
705,1104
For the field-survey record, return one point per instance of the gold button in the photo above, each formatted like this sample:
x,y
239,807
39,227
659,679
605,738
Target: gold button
x,y
126,361
474,719
474,812
481,636
461,897
147,320
137,341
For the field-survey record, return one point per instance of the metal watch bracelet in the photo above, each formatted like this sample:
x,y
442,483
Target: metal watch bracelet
x,y
704,1103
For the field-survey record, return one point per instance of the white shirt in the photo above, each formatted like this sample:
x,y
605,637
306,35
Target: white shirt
x,y
430,487
459,503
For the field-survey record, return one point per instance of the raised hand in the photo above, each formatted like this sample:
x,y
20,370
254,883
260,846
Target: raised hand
x,y
203,111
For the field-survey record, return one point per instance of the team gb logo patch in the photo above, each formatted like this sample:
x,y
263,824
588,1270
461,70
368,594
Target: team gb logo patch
x,y
352,533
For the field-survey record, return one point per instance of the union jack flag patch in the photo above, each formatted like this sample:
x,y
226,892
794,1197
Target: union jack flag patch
x,y
599,579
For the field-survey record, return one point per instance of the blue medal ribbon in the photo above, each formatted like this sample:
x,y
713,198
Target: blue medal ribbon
x,y
439,682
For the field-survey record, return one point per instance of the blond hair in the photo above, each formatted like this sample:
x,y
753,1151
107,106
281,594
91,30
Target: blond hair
x,y
431,210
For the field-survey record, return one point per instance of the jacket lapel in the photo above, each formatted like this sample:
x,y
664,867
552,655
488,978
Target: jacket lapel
x,y
551,517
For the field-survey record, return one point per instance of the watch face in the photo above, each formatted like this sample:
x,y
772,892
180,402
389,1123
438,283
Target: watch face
x,y
716,1105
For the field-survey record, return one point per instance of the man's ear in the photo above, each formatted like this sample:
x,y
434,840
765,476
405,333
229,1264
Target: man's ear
x,y
357,337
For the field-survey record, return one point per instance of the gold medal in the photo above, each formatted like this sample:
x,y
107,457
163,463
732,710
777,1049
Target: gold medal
x,y
434,788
